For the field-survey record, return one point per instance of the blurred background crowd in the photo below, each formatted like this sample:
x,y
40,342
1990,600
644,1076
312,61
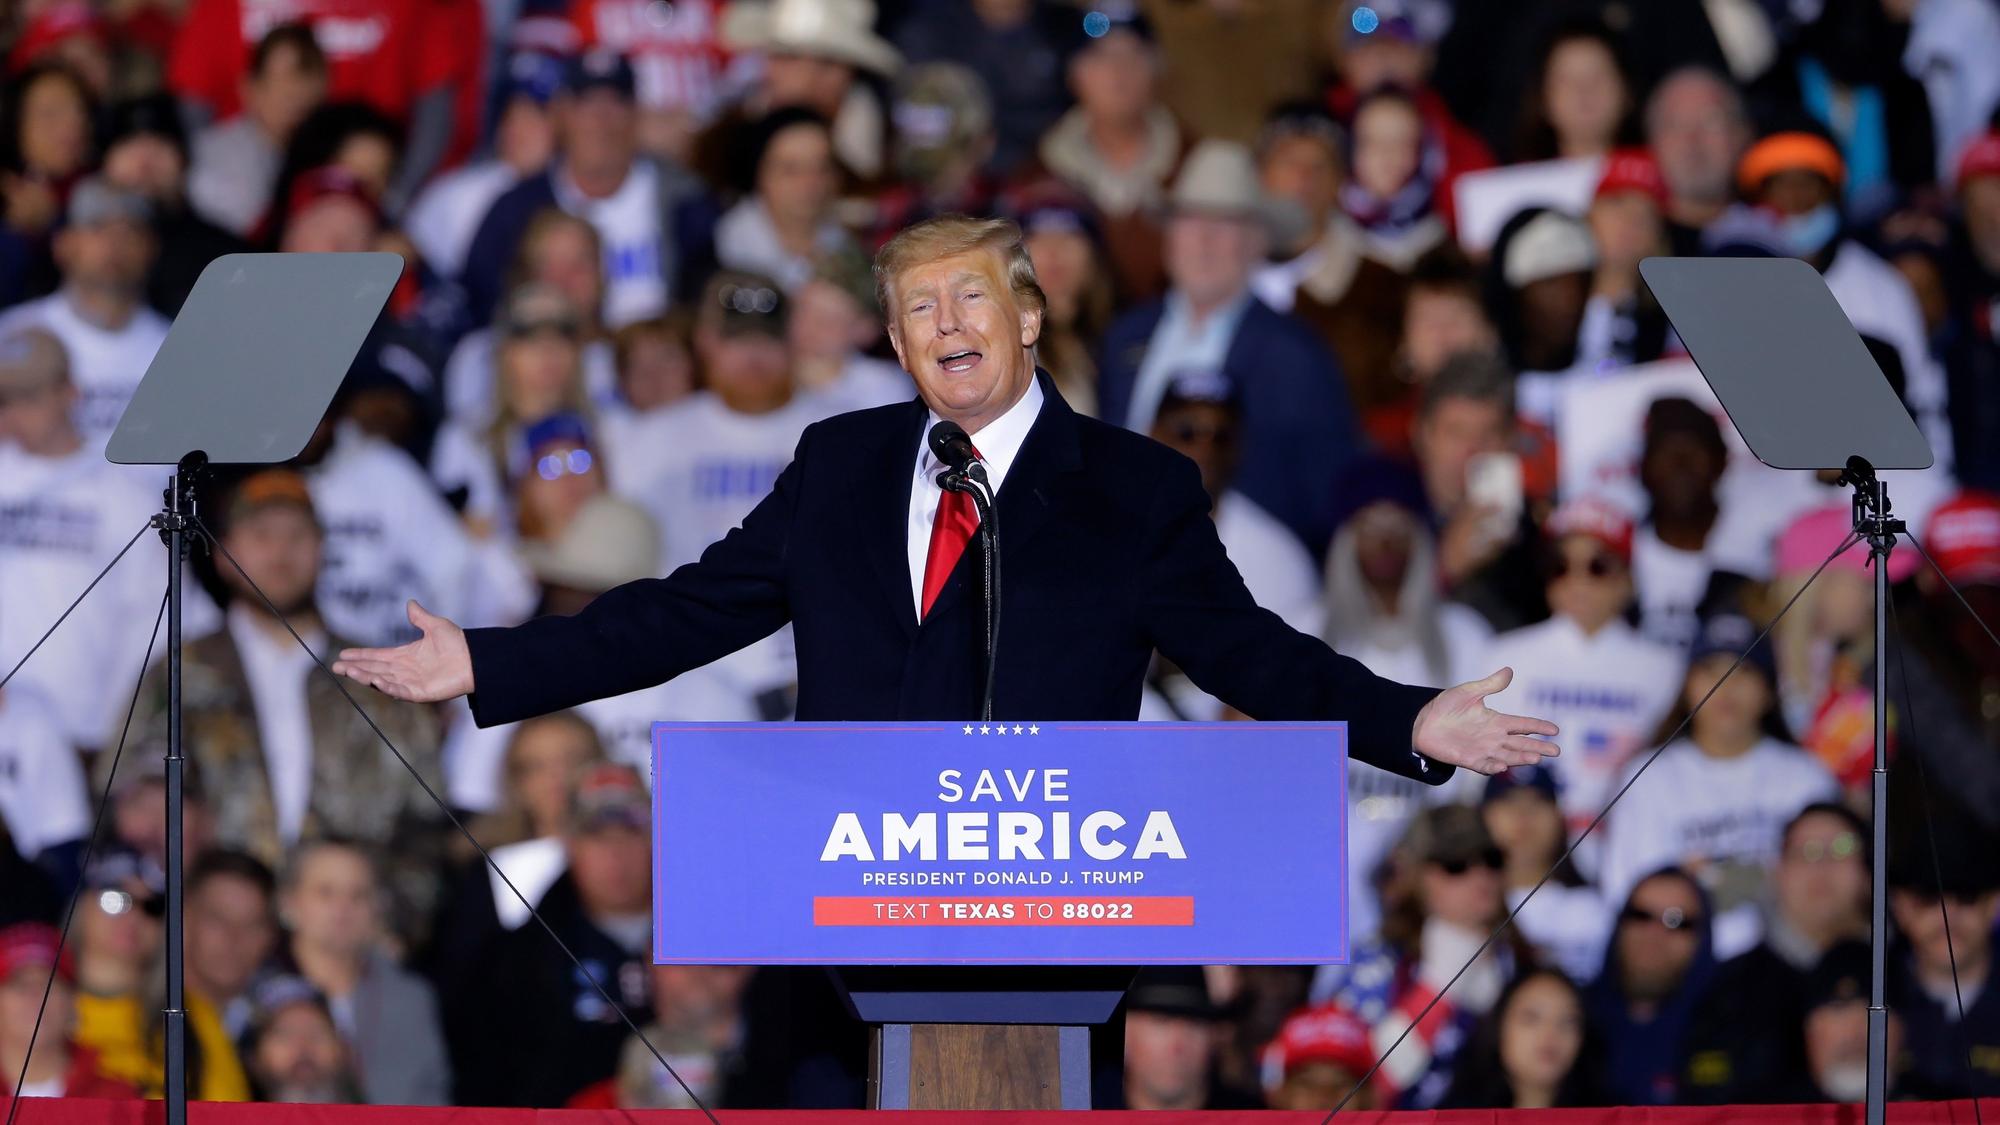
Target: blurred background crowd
x,y
1374,267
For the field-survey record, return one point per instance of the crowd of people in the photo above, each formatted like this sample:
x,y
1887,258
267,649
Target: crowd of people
x,y
1372,266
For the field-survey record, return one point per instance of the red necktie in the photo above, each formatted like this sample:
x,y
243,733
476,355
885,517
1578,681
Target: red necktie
x,y
950,531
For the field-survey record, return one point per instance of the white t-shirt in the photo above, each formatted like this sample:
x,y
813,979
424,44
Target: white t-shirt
x,y
42,796
390,537
1670,583
1274,564
698,467
1607,693
105,364
1690,806
866,382
1381,804
447,213
461,458
61,520
277,670
628,225
1568,924
747,239
473,756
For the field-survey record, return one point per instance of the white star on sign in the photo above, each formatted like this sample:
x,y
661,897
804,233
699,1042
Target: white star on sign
x,y
984,729
968,728
1034,730
1017,728
1001,729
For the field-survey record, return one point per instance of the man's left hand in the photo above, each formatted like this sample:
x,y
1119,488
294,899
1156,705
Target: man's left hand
x,y
1459,729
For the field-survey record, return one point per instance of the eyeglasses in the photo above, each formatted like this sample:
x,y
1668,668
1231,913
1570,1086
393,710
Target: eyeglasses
x,y
554,466
115,902
1600,565
751,299
1672,919
1844,846
1493,859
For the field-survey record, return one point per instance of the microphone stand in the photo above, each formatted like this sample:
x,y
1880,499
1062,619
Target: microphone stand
x,y
971,480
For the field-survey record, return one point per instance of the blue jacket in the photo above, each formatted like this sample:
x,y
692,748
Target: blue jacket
x,y
1298,422
1109,553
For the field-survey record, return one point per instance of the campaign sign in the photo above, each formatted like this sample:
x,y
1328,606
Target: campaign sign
x,y
1000,843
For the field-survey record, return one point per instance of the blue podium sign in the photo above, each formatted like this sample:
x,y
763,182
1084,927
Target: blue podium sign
x,y
1000,843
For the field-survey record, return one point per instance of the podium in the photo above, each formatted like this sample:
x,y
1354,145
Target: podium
x,y
983,892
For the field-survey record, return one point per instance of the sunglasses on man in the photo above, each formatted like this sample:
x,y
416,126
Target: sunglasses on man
x,y
1673,919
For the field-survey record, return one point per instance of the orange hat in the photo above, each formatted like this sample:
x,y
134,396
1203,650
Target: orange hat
x,y
1789,152
265,488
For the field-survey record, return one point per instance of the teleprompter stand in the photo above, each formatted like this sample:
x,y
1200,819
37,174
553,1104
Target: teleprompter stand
x,y
244,376
1801,388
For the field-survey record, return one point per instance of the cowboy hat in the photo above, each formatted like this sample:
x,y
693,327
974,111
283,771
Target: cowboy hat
x,y
841,30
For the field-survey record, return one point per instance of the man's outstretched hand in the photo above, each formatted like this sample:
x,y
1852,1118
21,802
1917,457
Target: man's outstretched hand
x,y
1459,729
434,667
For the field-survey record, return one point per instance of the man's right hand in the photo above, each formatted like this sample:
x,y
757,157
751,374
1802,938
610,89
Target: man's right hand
x,y
435,667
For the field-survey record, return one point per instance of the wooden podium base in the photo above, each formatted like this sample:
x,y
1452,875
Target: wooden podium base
x,y
979,1066
963,1037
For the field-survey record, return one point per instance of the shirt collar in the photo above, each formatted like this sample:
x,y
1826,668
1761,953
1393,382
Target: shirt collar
x,y
998,442
1222,320
253,644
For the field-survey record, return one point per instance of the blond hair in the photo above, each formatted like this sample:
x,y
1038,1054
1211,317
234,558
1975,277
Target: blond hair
x,y
947,235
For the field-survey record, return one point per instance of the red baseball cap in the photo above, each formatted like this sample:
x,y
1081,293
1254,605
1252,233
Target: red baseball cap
x,y
51,27
34,945
1979,158
1633,169
1601,520
1328,1034
329,181
1964,538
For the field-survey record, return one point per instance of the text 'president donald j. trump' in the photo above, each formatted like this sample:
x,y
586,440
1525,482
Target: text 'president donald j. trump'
x,y
1110,554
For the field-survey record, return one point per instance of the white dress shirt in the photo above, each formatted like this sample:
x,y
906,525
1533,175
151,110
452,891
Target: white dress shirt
x,y
999,441
277,669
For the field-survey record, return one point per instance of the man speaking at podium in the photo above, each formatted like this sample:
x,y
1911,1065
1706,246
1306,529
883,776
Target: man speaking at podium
x,y
1108,550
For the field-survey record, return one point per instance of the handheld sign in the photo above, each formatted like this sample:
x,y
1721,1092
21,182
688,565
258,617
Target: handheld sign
x,y
1000,844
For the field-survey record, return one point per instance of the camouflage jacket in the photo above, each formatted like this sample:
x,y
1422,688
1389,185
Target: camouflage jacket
x,y
359,790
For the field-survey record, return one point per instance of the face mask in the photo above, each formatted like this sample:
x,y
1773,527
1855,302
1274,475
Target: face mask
x,y
1808,234
1845,1082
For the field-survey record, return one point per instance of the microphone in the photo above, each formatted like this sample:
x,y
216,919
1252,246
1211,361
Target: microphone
x,y
952,445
